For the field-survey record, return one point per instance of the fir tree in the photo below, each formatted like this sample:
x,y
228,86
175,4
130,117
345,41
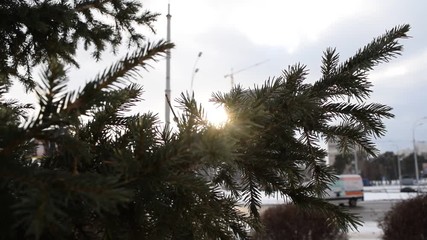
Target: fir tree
x,y
108,174
280,125
34,30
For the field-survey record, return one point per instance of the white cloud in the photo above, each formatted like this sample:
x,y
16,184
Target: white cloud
x,y
281,23
290,23
400,69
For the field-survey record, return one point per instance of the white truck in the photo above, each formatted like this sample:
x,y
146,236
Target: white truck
x,y
348,188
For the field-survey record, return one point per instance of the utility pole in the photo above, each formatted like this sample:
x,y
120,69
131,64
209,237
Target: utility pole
x,y
417,177
356,165
168,72
399,169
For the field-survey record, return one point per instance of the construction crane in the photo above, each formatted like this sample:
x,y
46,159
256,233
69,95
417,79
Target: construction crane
x,y
232,73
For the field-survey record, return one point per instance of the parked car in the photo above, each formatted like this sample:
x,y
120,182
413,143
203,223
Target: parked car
x,y
408,189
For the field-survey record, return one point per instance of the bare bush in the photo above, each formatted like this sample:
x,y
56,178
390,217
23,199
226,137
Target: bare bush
x,y
288,222
406,220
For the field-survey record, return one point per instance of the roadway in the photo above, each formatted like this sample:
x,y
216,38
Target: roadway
x,y
372,211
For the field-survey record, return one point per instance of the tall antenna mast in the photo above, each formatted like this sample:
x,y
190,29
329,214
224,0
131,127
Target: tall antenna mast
x,y
168,72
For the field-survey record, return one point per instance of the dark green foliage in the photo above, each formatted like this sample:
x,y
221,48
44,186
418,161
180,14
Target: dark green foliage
x,y
108,174
279,126
345,162
288,222
386,165
342,161
408,164
406,220
33,31
382,167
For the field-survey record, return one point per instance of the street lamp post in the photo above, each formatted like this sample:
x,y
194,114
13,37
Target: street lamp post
x,y
417,177
195,70
399,169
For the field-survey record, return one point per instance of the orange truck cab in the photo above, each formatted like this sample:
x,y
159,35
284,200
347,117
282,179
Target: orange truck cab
x,y
348,187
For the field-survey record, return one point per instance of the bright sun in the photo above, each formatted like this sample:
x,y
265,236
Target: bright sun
x,y
216,115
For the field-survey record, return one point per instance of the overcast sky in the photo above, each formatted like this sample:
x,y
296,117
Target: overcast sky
x,y
236,34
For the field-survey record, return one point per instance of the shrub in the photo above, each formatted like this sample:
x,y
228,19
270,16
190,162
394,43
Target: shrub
x,y
406,220
288,222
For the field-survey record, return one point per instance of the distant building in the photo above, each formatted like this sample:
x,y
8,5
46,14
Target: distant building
x,y
421,150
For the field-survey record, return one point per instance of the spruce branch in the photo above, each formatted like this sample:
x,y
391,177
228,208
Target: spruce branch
x,y
116,75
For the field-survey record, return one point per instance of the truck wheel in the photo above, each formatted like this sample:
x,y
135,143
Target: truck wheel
x,y
352,202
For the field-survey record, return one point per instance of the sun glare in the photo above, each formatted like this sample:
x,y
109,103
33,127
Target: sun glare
x,y
216,116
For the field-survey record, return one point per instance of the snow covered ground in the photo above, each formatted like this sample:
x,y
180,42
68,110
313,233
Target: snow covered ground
x,y
369,196
369,231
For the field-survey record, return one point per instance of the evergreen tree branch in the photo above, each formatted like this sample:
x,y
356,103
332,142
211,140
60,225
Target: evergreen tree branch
x,y
115,76
350,77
